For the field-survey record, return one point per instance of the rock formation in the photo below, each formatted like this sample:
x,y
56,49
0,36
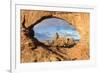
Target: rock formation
x,y
80,20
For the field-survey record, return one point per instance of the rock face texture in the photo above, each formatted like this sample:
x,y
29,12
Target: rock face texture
x,y
80,51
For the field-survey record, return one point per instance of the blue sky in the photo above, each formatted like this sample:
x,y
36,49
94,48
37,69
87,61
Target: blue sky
x,y
46,29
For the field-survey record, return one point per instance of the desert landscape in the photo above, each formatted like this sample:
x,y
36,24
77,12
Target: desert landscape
x,y
60,48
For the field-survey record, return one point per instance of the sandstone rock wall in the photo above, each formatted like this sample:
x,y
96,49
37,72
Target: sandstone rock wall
x,y
78,19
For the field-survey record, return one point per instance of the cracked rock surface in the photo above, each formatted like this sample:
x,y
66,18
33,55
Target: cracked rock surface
x,y
80,51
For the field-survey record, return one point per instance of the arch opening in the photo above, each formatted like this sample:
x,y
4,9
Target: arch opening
x,y
56,32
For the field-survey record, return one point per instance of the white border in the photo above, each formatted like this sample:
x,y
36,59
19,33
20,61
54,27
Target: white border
x,y
17,67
